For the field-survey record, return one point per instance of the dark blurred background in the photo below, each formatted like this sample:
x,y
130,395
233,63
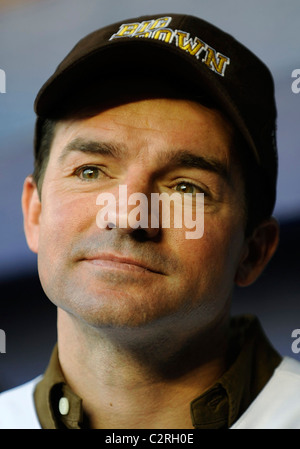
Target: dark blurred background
x,y
34,36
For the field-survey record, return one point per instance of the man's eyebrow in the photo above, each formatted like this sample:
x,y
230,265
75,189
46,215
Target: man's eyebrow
x,y
178,158
91,147
186,159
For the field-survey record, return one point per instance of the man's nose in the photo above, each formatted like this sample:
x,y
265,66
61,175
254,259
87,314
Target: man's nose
x,y
132,211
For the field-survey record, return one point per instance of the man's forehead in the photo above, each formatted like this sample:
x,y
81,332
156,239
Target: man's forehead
x,y
186,120
204,145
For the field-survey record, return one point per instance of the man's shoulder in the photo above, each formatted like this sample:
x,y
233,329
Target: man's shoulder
x,y
290,366
278,404
17,409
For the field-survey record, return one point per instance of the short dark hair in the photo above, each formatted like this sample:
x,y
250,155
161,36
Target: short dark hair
x,y
43,144
256,192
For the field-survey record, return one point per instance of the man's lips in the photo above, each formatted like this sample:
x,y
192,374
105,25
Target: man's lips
x,y
112,261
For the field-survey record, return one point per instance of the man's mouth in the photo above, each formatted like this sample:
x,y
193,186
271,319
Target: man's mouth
x,y
119,262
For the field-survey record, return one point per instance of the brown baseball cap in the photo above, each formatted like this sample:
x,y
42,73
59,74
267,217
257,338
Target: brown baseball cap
x,y
182,50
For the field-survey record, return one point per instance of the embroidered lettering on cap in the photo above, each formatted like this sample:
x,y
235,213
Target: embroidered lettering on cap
x,y
157,29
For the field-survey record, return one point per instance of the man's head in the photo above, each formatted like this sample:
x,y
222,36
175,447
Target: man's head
x,y
194,125
188,57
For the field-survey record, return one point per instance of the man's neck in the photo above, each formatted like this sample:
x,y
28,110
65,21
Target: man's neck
x,y
131,384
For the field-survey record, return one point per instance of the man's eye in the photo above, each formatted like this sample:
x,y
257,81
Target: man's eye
x,y
185,187
88,173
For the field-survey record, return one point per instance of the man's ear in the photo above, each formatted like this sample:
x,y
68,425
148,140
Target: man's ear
x,y
259,248
31,207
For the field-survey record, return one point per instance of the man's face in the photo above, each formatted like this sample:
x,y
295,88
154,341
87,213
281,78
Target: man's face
x,y
125,277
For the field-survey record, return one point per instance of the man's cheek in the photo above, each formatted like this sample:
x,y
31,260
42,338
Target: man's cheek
x,y
64,217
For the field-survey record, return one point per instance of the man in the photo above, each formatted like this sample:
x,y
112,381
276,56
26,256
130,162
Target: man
x,y
154,105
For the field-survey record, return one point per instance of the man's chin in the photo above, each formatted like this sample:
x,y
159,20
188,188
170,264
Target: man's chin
x,y
114,309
